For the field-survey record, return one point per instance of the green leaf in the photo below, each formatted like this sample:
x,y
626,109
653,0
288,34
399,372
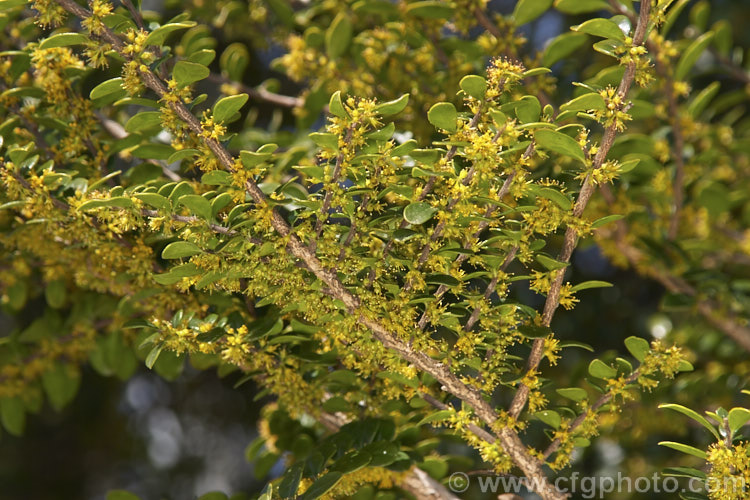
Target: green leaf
x,y
186,73
585,102
183,154
426,156
599,369
418,212
684,472
217,178
160,34
691,55
580,6
442,279
12,204
699,103
723,39
290,482
534,331
528,109
549,263
382,134
559,143
573,393
687,411
283,11
336,403
155,200
61,384
153,151
474,85
689,450
573,343
338,36
738,418
226,107
604,28
699,15
177,273
10,4
554,195
121,495
336,107
203,56
234,61
180,249
17,293
606,220
549,417
325,140
251,159
430,9
106,88
562,46
197,204
590,284
142,121
688,495
399,379
63,40
13,415
672,14
443,115
435,467
152,356
55,293
404,149
322,486
352,462
394,107
437,416
638,347
685,366
528,10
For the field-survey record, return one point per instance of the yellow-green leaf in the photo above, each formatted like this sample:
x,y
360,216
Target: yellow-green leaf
x,y
63,40
691,55
338,36
580,6
558,142
443,115
528,10
180,249
186,73
474,85
393,107
604,28
599,369
689,450
160,34
226,107
106,88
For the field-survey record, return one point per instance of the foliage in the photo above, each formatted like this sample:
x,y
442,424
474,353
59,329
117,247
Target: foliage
x,y
372,276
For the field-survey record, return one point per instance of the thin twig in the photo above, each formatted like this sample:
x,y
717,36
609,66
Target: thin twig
x,y
260,93
603,400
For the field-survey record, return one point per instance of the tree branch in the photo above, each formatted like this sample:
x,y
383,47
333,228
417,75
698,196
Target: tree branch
x,y
571,236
